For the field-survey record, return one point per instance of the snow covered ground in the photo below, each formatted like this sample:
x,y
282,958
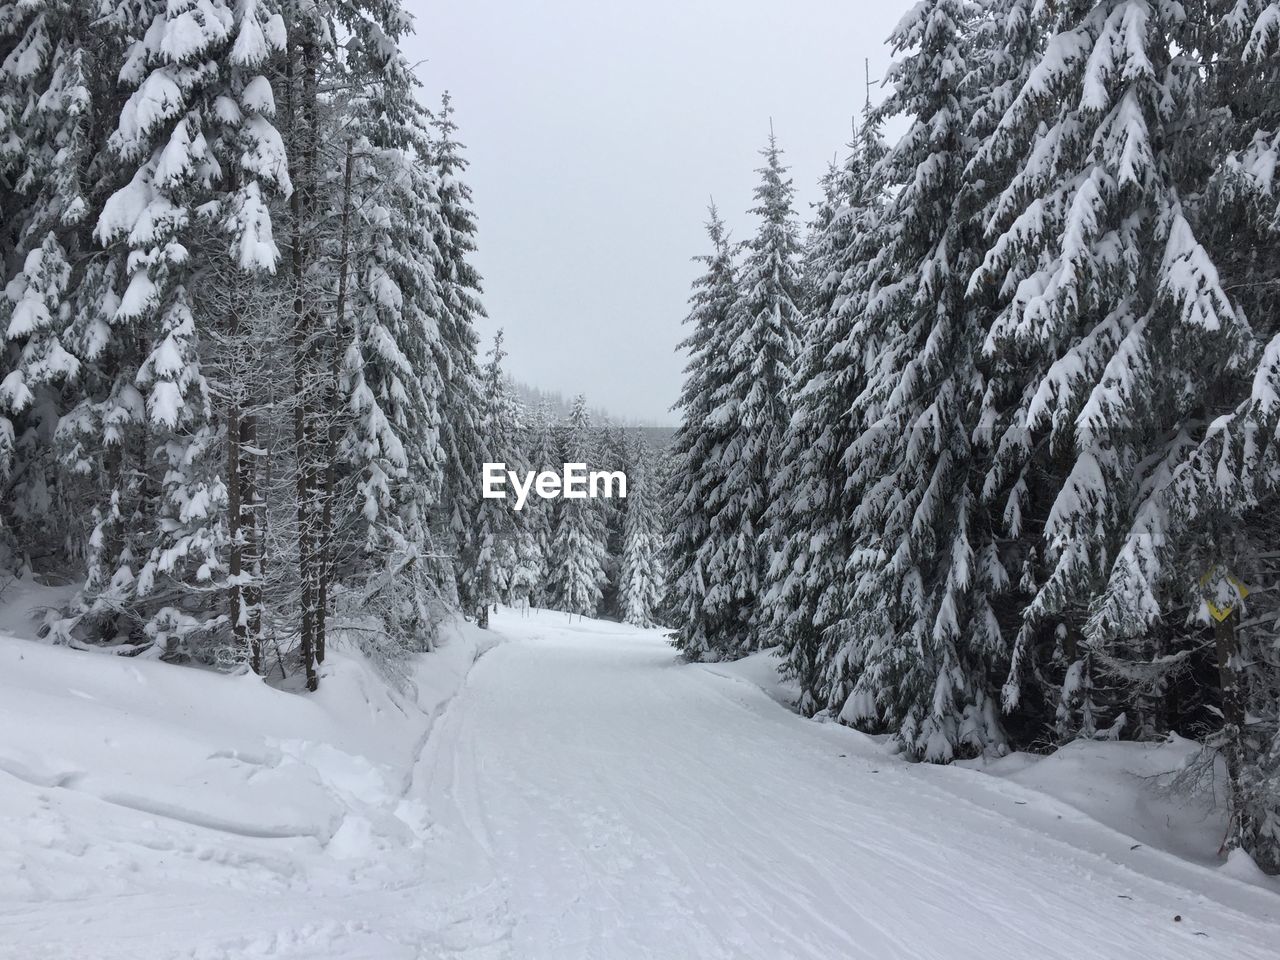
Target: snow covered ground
x,y
576,792
149,811
1167,796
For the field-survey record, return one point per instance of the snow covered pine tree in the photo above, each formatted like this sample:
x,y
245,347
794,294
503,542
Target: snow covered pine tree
x,y
735,409
577,561
641,579
235,240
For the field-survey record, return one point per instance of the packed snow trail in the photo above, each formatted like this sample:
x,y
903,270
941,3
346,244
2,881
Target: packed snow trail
x,y
621,804
575,792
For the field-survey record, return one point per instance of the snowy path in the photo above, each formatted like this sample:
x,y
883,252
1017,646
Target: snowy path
x,y
618,804
574,793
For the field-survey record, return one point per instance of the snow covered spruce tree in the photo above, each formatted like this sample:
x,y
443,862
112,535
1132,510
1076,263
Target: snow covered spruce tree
x,y
1004,49
697,470
735,401
1207,542
1121,328
757,401
542,452
665,498
58,70
1232,470
481,579
459,290
810,516
641,582
348,455
391,376
578,555
613,453
1032,440
919,642
230,316
497,553
197,136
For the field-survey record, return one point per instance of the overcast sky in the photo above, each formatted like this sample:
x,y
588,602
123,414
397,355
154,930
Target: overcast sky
x,y
597,131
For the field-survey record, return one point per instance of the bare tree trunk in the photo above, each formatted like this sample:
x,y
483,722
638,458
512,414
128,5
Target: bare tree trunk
x,y
236,373
235,566
310,105
257,536
1227,646
113,542
252,595
327,555
304,132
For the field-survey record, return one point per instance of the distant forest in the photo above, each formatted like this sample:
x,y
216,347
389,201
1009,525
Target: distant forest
x,y
559,407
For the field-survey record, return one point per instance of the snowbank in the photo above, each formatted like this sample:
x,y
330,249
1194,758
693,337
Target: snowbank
x,y
229,812
1143,790
1165,797
761,669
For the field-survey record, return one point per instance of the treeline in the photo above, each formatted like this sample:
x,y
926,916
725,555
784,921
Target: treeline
x,y
558,405
241,400
242,403
587,557
990,450
240,383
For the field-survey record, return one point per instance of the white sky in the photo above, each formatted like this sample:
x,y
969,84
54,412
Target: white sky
x,y
597,131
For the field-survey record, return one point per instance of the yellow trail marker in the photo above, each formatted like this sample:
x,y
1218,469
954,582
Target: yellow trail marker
x,y
1220,612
